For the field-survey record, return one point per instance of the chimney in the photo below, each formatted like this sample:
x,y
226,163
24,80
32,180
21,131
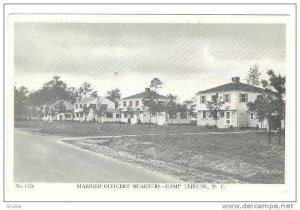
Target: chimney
x,y
235,79
147,89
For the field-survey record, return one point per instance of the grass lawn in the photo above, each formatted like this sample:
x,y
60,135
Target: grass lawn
x,y
70,128
203,157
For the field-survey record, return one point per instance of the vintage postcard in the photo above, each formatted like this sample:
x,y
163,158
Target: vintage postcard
x,y
150,107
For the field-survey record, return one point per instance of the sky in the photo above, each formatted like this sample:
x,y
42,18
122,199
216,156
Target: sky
x,y
187,58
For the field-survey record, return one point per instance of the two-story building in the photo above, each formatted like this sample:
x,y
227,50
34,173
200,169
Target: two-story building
x,y
86,110
134,111
236,95
60,110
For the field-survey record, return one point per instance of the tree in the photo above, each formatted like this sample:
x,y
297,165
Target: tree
x,y
276,82
259,108
101,111
171,106
85,111
94,94
60,107
51,92
85,90
51,113
20,101
266,107
253,77
55,90
277,107
270,104
115,96
191,107
151,101
72,94
216,109
155,84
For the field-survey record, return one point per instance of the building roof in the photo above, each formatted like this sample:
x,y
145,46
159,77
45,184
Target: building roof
x,y
87,100
69,105
233,86
143,95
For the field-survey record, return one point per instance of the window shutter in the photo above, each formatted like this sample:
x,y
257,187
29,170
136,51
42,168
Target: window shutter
x,y
246,97
229,97
201,99
240,96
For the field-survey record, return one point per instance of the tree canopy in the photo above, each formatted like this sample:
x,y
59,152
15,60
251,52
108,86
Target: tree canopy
x,y
253,77
115,96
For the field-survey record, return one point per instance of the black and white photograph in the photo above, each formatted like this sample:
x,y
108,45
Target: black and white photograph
x,y
149,101
199,103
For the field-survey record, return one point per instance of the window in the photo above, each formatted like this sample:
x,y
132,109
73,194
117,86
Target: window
x,y
76,106
104,106
77,114
183,115
125,115
81,114
118,116
226,97
80,106
243,97
161,103
214,98
227,117
131,115
136,103
124,103
130,103
109,115
204,116
251,115
203,99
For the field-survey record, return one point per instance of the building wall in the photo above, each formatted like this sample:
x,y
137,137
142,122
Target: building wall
x,y
91,116
64,116
110,104
221,123
144,117
139,106
114,118
234,103
238,110
179,120
243,118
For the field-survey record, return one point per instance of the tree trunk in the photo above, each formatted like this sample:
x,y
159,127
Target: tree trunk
x,y
270,133
280,131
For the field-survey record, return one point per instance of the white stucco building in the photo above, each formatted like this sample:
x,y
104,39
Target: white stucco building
x,y
236,95
65,114
134,111
92,104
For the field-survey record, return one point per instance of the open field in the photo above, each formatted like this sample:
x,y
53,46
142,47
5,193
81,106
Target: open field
x,y
189,153
69,128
